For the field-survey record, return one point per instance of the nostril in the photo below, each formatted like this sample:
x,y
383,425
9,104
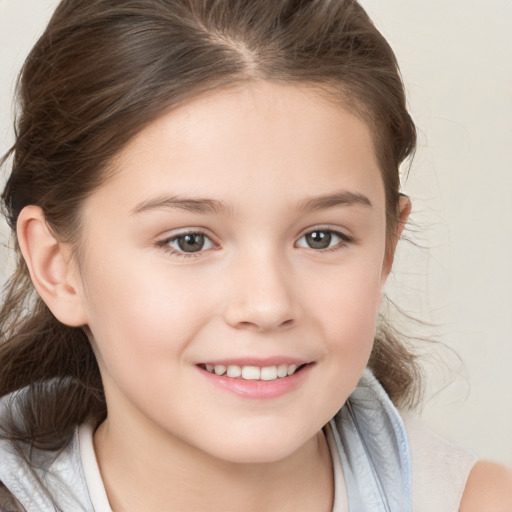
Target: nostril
x,y
254,325
245,325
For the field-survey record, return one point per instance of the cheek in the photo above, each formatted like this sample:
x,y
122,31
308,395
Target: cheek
x,y
141,311
142,327
349,290
346,307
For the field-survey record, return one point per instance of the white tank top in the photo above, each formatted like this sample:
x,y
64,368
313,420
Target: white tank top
x,y
388,457
440,470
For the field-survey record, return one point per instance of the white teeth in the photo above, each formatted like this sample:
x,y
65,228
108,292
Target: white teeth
x,y
234,371
269,373
219,369
282,370
291,369
253,372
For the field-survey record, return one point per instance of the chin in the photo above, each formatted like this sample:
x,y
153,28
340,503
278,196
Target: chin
x,y
266,450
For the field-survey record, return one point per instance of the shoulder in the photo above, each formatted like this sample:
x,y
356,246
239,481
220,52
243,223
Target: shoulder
x,y
489,488
435,454
440,469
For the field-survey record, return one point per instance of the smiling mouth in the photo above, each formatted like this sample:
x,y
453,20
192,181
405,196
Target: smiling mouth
x,y
265,373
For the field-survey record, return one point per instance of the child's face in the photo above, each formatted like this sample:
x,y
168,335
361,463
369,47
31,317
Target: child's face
x,y
283,203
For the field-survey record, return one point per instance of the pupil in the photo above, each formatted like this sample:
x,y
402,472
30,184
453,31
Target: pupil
x,y
319,239
191,243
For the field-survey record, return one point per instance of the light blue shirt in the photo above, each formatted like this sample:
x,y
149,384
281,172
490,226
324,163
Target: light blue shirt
x,y
369,435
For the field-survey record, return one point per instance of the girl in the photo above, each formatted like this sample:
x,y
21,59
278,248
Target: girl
x,y
205,196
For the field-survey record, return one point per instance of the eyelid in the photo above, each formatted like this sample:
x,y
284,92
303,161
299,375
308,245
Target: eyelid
x,y
345,238
164,243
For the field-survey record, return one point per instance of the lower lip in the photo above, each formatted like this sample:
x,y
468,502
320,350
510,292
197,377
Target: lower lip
x,y
258,389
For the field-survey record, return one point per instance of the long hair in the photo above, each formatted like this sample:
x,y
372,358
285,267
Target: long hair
x,y
105,69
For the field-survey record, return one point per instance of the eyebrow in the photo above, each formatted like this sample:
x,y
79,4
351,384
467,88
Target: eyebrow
x,y
208,206
342,198
189,204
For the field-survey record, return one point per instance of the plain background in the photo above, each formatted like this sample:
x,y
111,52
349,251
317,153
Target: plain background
x,y
456,274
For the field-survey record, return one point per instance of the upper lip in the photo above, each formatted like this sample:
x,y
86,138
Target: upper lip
x,y
257,361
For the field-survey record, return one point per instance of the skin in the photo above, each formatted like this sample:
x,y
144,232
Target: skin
x,y
263,154
489,489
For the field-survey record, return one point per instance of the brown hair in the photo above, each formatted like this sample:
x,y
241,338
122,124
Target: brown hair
x,y
102,71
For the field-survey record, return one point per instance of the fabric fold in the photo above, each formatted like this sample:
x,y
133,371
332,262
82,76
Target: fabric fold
x,y
370,438
373,446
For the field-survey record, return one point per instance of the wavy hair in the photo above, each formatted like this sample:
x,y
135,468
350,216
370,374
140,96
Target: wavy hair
x,y
102,71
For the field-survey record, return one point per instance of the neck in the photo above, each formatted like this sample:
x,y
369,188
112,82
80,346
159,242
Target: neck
x,y
164,474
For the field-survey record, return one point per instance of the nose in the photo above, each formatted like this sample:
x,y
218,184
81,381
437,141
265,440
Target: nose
x,y
261,294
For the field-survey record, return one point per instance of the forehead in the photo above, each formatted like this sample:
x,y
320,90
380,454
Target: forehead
x,y
261,140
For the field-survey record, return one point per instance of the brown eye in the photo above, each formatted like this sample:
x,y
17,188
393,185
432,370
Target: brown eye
x,y
322,239
192,242
189,243
319,239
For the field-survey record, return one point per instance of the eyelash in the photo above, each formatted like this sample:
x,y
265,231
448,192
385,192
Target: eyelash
x,y
165,244
344,238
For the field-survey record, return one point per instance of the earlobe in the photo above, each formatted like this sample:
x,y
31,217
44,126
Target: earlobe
x,y
50,267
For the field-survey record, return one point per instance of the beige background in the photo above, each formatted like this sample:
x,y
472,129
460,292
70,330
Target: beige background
x,y
456,58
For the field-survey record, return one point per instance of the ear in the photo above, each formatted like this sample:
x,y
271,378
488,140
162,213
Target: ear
x,y
404,210
51,268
